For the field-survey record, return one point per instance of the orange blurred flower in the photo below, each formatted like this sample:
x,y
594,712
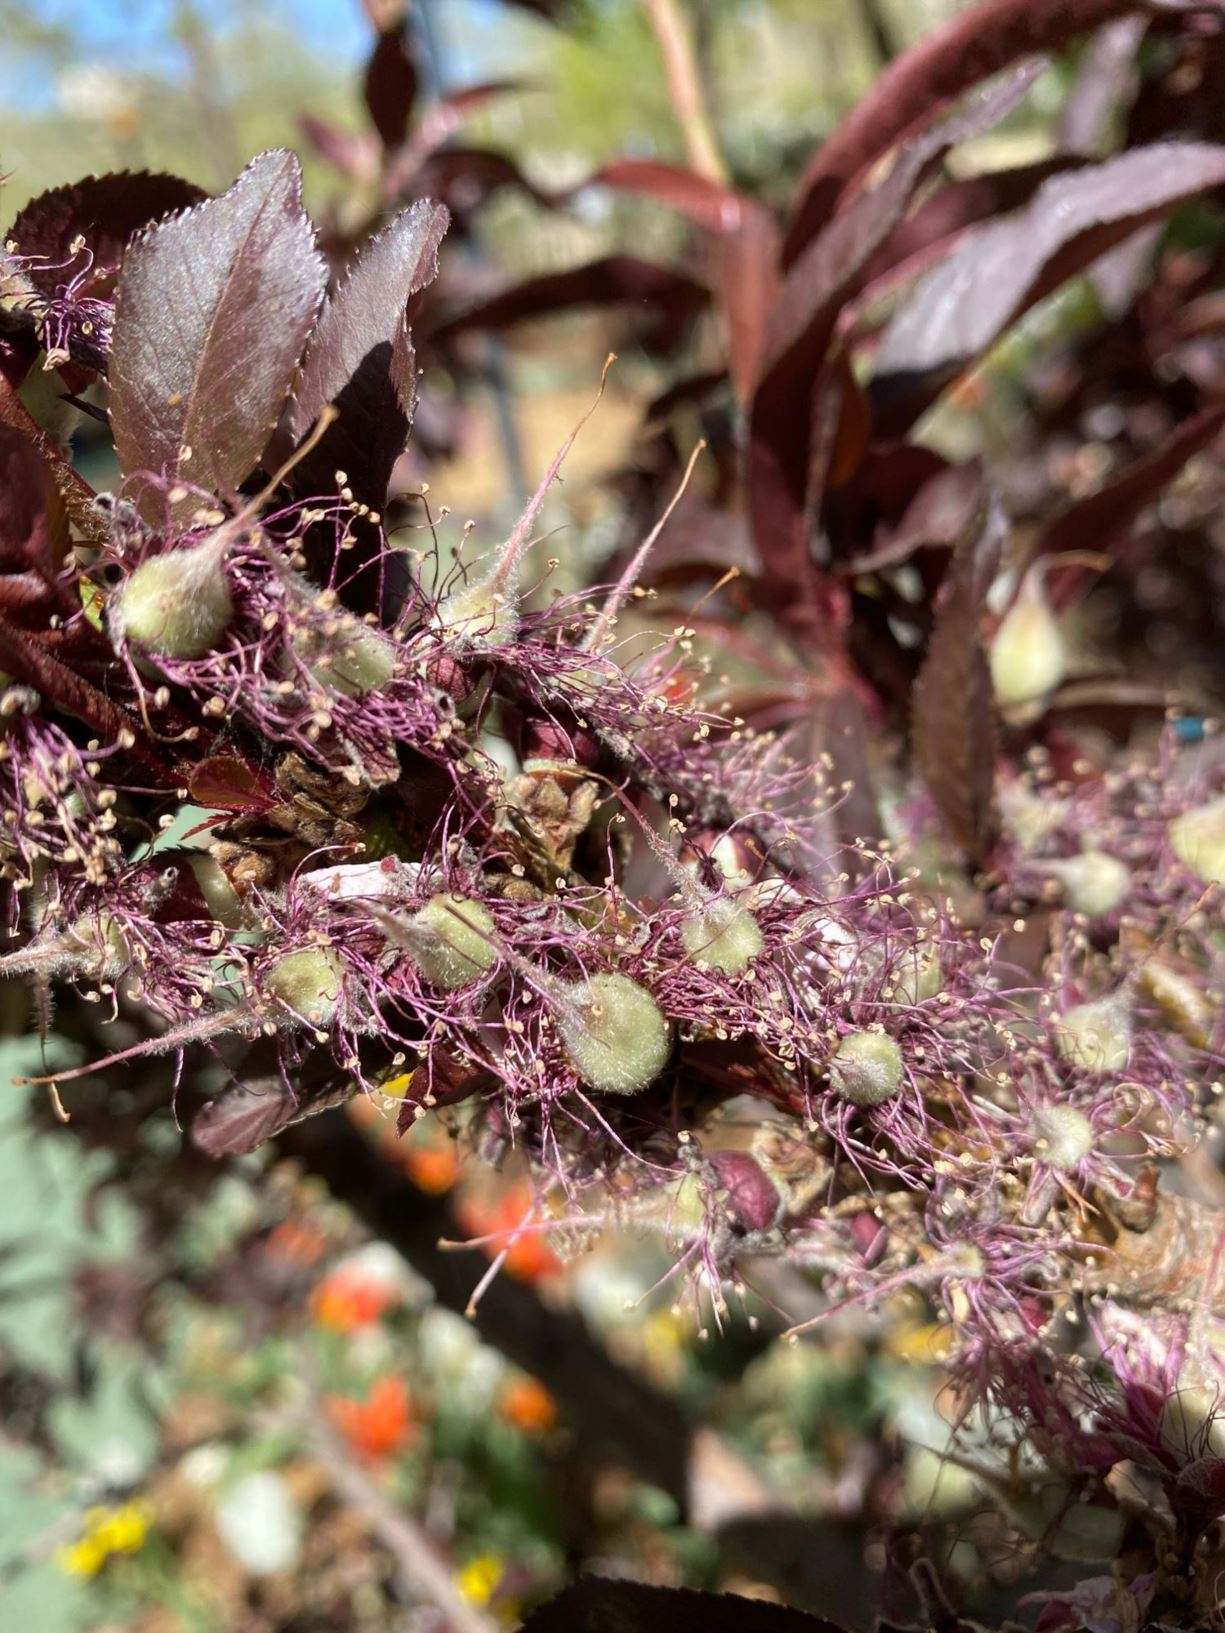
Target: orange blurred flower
x,y
528,1405
528,1256
379,1425
346,1300
300,1243
432,1164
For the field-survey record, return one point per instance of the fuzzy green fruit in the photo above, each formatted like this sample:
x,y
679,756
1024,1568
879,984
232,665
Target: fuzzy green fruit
x,y
1197,838
351,659
457,946
309,983
1063,1136
1097,1035
866,1068
176,605
620,1039
1094,883
724,936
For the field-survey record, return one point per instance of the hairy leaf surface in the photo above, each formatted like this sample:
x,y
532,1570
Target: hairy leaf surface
x,y
360,359
212,310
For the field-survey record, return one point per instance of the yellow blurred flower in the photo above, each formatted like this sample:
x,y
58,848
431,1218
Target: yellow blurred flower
x,y
923,1342
478,1580
106,1531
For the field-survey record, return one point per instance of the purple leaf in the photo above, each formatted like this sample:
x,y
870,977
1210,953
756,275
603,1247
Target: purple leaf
x,y
598,1605
33,518
616,280
967,49
464,176
242,1118
390,86
937,516
999,270
802,325
212,310
26,656
76,493
926,233
360,359
443,118
105,211
355,157
1104,515
721,209
954,710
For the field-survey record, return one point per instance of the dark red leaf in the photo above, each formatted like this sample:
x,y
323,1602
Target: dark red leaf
x,y
33,517
443,118
76,493
617,280
355,157
464,176
598,1605
1098,520
802,325
212,310
105,211
443,1079
937,516
1000,269
926,233
226,783
954,711
390,86
969,48
747,279
722,209
352,360
1200,1487
27,659
242,1118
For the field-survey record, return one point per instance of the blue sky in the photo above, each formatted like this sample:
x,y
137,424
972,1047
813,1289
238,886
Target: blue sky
x,y
140,34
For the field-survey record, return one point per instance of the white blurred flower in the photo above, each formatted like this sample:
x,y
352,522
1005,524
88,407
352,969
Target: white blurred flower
x,y
260,1523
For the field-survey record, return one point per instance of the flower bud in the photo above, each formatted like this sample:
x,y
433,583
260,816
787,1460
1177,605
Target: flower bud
x,y
484,611
1028,657
754,1203
723,936
1063,1136
1097,1035
175,605
546,742
866,1068
308,982
1197,838
1094,883
619,1039
457,946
